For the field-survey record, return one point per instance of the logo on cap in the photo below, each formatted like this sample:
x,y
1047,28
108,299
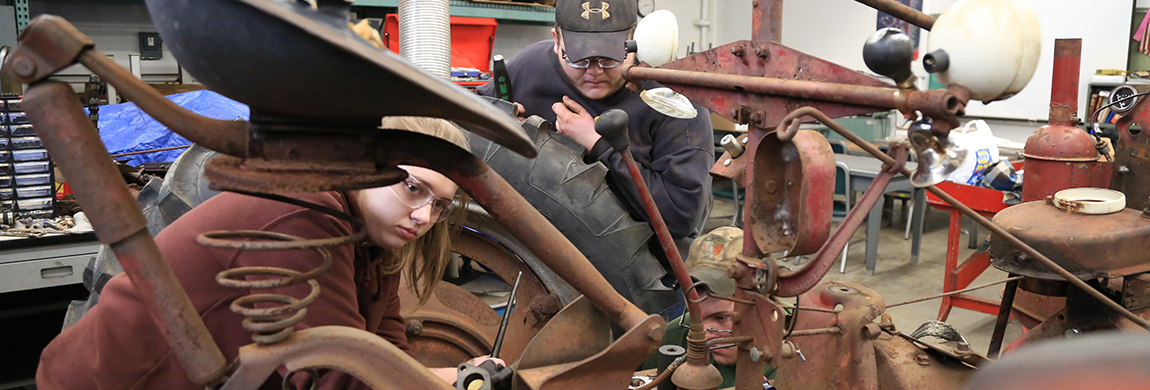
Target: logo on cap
x,y
587,10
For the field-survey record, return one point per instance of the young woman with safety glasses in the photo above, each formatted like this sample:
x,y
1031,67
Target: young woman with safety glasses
x,y
116,345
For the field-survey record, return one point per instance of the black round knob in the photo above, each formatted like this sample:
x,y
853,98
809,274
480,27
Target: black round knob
x,y
889,52
612,125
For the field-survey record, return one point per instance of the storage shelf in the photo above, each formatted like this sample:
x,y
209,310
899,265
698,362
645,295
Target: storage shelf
x,y
503,12
510,13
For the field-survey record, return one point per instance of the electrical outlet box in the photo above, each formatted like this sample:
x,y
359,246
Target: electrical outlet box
x,y
151,46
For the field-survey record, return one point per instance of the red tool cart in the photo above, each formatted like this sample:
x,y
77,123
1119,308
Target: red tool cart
x,y
472,40
986,202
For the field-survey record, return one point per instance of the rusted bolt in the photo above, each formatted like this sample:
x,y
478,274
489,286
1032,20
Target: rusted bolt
x,y
963,347
732,145
23,66
655,332
734,271
414,328
1133,152
772,186
871,331
727,162
738,50
922,359
763,52
1123,169
758,117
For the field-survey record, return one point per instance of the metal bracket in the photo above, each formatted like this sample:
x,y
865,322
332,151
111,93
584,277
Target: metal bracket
x,y
21,15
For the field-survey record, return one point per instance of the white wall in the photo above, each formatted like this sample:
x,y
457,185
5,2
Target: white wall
x,y
511,38
730,20
114,28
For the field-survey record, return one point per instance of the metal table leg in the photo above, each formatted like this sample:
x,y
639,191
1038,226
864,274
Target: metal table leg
x,y
917,216
872,235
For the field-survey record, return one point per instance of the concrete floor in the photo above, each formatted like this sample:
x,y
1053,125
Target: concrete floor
x,y
897,280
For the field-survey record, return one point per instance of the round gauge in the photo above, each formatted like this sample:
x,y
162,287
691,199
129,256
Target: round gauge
x,y
1121,99
646,7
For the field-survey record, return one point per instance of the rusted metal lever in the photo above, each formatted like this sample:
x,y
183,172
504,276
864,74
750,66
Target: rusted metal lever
x,y
998,230
698,372
66,132
612,126
797,282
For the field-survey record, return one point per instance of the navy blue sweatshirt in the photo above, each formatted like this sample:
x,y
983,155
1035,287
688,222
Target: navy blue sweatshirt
x,y
674,155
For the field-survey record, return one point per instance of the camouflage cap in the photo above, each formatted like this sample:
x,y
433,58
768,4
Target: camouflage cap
x,y
710,256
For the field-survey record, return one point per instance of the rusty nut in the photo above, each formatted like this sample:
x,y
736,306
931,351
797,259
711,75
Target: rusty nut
x,y
414,328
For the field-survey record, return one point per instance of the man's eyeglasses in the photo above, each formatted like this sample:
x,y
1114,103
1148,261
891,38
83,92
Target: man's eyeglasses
x,y
604,62
416,194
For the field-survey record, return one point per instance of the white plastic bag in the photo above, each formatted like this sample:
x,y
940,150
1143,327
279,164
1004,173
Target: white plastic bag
x,y
981,152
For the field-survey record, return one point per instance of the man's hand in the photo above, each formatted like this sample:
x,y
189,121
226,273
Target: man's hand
x,y
574,121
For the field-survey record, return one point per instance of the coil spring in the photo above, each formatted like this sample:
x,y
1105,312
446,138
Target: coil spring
x,y
273,324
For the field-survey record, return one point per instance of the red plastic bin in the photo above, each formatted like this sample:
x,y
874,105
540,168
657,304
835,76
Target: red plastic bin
x,y
472,40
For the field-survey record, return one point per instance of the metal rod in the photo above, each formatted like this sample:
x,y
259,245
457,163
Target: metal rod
x,y
938,103
901,11
965,290
150,151
816,332
818,309
506,317
803,89
729,340
1003,317
664,235
227,137
1010,238
59,119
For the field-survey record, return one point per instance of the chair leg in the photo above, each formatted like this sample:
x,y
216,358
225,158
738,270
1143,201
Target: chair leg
x,y
906,236
843,266
738,206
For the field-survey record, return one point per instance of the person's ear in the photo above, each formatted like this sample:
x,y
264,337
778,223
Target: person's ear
x,y
555,43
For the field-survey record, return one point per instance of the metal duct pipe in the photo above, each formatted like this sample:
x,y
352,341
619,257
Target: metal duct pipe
x,y
425,35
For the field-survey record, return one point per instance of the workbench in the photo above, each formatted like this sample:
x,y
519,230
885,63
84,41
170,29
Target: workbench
x,y
33,263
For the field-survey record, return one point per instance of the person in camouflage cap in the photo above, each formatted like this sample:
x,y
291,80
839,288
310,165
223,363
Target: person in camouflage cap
x,y
708,260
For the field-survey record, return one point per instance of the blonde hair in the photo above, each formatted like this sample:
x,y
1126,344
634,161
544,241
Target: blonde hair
x,y
424,260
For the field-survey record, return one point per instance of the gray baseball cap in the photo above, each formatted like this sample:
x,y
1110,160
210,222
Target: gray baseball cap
x,y
595,28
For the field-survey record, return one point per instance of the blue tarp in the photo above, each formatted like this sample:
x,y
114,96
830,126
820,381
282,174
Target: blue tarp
x,y
125,128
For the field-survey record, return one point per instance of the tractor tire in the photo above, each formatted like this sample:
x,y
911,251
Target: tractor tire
x,y
162,202
574,196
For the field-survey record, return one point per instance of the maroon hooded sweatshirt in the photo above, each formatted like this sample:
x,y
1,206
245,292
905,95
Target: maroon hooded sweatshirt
x,y
117,345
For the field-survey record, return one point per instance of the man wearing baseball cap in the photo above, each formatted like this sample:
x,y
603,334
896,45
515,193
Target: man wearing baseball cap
x,y
574,77
710,256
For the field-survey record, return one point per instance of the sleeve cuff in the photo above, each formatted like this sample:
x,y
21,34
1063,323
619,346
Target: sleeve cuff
x,y
599,151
